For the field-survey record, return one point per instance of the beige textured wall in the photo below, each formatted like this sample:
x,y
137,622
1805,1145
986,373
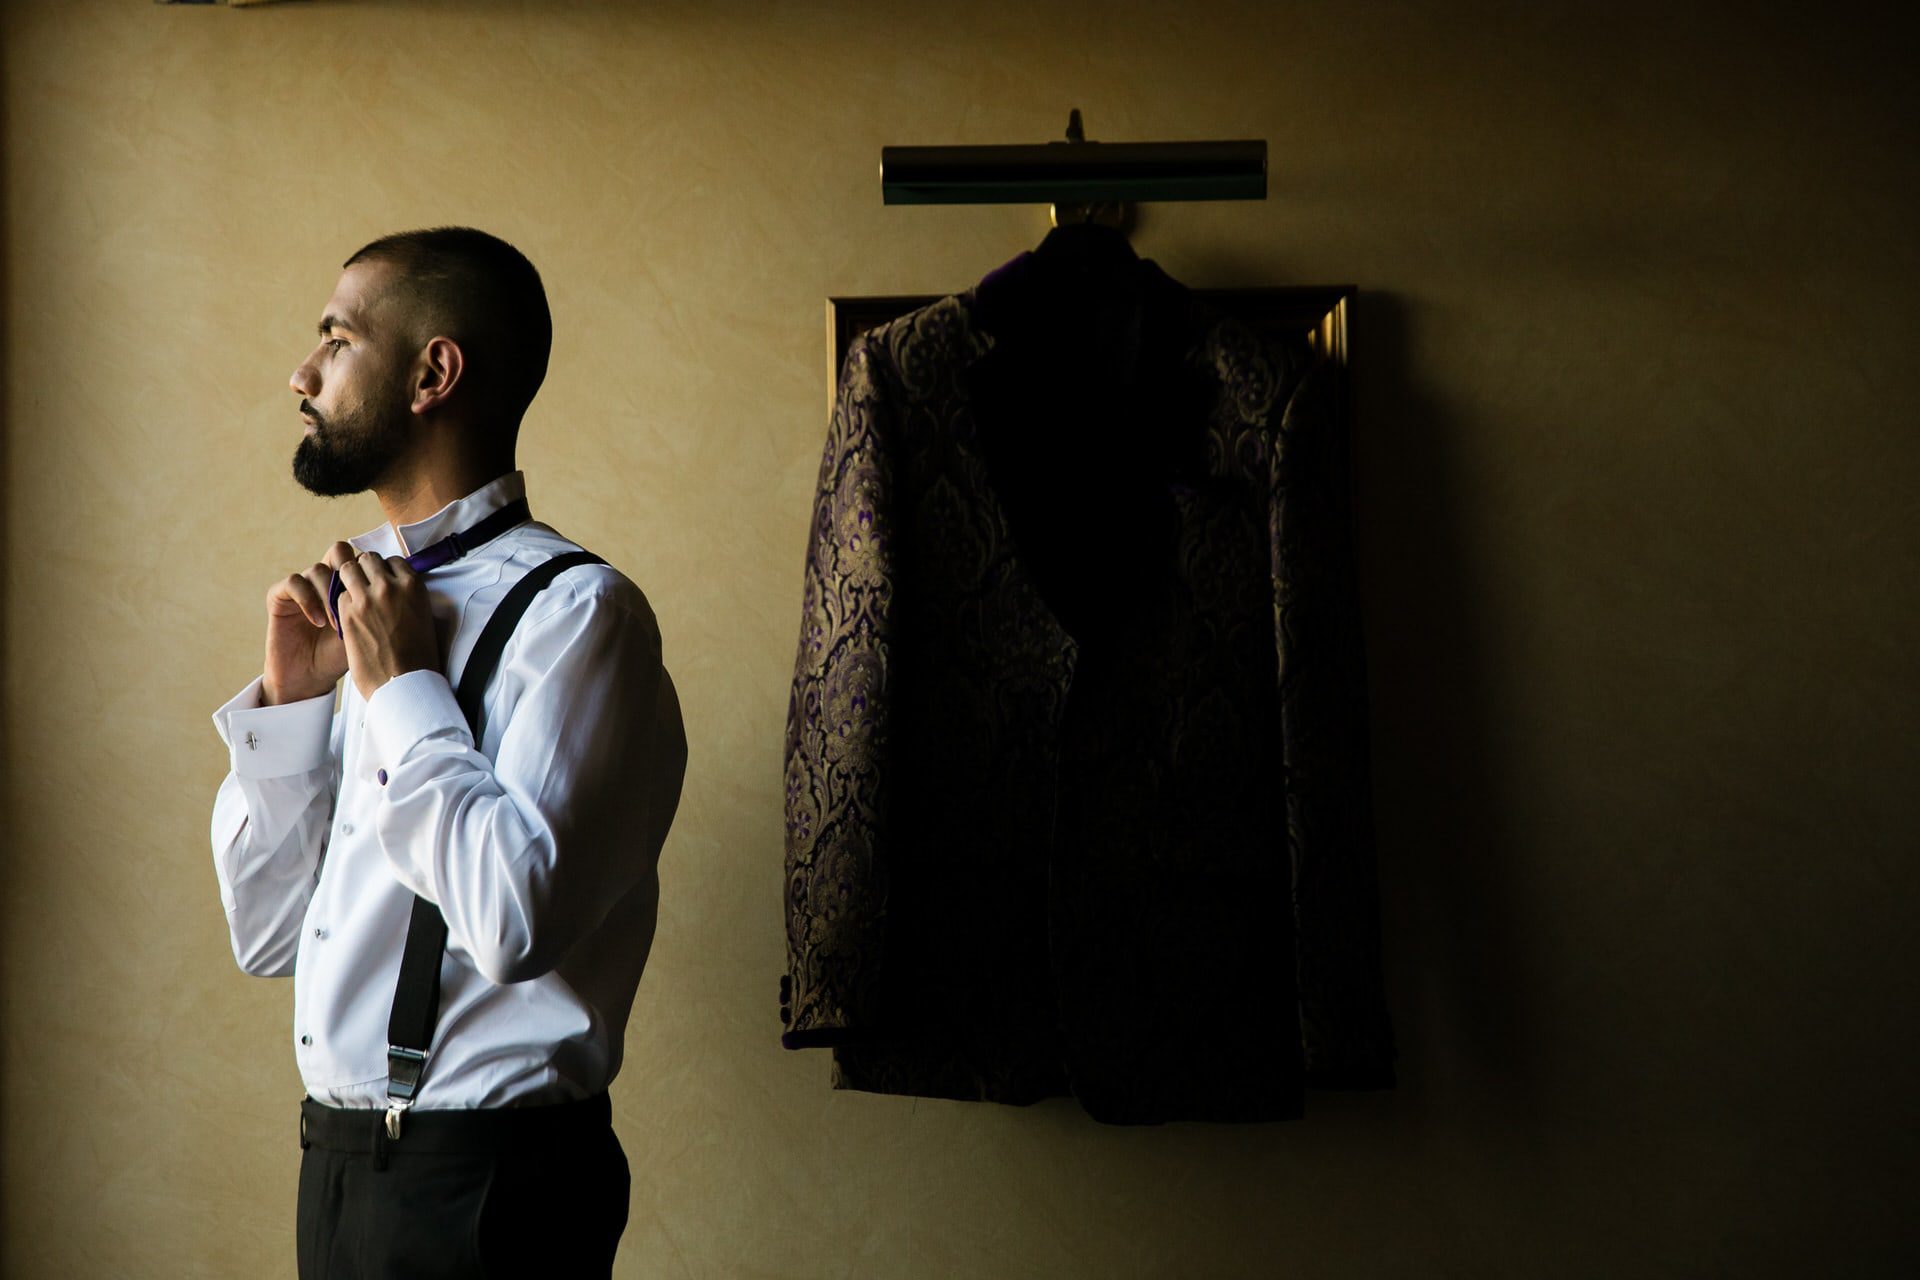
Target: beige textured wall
x,y
1637,464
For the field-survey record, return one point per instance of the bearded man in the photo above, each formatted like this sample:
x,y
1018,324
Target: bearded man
x,y
503,838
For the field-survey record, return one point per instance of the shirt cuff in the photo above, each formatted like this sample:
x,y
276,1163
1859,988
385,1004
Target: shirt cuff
x,y
274,742
407,709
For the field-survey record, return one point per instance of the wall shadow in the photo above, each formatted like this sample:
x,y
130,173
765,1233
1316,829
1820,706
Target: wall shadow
x,y
1456,982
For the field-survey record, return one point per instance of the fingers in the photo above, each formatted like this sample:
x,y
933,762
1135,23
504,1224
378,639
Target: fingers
x,y
376,568
320,577
300,591
353,586
364,570
359,573
369,575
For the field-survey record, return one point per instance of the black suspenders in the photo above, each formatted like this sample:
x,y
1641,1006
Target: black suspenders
x,y
416,997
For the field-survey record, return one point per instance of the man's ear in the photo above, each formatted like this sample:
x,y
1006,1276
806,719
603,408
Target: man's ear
x,y
436,372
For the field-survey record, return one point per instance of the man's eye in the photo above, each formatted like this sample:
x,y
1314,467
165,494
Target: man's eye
x,y
335,344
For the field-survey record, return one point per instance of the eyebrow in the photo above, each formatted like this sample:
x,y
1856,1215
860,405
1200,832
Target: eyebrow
x,y
329,323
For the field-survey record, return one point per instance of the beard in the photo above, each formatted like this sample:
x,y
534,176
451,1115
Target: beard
x,y
348,452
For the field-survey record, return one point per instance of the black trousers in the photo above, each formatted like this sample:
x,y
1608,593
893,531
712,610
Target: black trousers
x,y
521,1191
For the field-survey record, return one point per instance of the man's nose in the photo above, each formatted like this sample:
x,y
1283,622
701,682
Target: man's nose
x,y
305,383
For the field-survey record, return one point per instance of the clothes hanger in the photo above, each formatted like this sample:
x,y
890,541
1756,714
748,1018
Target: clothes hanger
x,y
1116,215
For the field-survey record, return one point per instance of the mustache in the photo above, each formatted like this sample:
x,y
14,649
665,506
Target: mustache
x,y
319,419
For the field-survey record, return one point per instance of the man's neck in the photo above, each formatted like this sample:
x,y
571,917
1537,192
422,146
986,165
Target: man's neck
x,y
411,499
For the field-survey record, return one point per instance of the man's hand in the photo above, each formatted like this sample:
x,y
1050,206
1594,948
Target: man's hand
x,y
386,620
304,657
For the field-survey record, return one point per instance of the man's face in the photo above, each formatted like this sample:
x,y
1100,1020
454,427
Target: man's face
x,y
353,387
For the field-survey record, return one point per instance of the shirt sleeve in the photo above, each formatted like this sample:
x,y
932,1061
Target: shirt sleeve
x,y
270,820
526,846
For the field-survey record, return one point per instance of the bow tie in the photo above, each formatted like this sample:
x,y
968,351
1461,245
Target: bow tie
x,y
448,549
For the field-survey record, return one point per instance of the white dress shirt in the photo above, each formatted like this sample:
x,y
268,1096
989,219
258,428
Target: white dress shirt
x,y
540,847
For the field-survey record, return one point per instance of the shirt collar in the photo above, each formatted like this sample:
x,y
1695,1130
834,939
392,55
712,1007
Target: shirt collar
x,y
455,517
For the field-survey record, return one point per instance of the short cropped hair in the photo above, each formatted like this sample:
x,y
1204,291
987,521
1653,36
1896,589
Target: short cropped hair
x,y
483,293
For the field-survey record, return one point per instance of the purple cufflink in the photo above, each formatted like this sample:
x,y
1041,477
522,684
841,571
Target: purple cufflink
x,y
380,776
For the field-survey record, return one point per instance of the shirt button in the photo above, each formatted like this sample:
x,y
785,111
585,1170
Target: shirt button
x,y
306,1040
346,828
319,933
380,776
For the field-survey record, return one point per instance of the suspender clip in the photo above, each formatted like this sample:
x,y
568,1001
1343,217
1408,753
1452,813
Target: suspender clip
x,y
404,1066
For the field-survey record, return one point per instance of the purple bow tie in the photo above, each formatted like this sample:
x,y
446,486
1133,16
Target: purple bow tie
x,y
449,548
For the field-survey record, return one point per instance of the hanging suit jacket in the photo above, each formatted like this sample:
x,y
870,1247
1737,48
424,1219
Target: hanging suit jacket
x,y
1076,765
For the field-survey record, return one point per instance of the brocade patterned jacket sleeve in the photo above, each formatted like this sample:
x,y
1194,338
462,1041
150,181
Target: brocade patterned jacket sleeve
x,y
1346,1034
836,743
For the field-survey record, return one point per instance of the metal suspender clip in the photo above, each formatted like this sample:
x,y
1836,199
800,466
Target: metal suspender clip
x,y
396,1109
404,1066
